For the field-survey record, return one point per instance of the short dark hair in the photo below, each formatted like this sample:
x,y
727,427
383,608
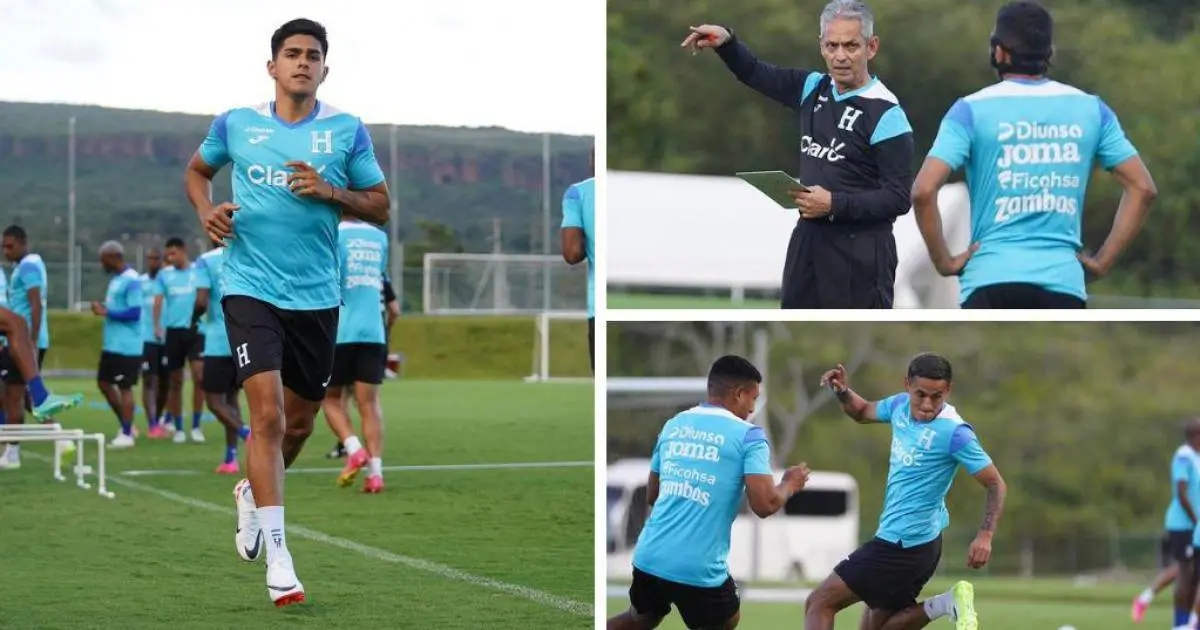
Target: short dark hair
x,y
731,372
1026,30
16,232
1191,428
175,241
299,26
934,367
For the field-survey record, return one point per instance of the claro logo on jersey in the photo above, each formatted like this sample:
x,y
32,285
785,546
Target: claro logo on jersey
x,y
831,152
271,175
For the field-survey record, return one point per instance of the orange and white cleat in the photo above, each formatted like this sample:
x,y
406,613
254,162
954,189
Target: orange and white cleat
x,y
228,468
373,484
282,584
354,464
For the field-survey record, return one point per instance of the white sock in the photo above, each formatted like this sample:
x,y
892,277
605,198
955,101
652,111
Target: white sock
x,y
1146,596
352,445
1192,619
271,520
14,451
376,467
939,606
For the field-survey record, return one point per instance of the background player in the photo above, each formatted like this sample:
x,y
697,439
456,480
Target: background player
x,y
579,241
929,442
1028,145
220,374
27,298
681,554
176,310
152,350
360,357
281,273
121,355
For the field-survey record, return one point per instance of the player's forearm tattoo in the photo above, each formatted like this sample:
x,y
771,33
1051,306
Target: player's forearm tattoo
x,y
995,505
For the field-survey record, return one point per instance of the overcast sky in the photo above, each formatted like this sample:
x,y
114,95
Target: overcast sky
x,y
529,65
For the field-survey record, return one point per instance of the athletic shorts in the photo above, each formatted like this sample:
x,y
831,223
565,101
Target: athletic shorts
x,y
8,368
699,607
358,363
119,369
1020,295
886,576
299,344
592,342
152,358
1177,546
182,346
220,375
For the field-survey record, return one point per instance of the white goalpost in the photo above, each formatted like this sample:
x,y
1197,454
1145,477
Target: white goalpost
x,y
543,362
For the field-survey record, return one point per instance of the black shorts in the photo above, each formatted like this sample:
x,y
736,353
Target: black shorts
x,y
299,344
152,358
358,363
1020,295
886,576
182,346
698,606
8,369
118,369
220,375
592,342
1177,546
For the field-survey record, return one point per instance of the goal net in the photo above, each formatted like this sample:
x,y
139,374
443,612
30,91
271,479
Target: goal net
x,y
502,284
560,347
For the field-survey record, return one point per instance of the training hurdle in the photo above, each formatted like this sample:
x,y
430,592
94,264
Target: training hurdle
x,y
55,433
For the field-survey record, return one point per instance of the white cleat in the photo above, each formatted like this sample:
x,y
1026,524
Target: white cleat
x,y
10,459
282,584
249,536
197,436
121,441
180,437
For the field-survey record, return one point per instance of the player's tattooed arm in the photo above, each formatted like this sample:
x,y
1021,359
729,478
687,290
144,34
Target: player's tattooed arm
x,y
996,489
370,204
858,408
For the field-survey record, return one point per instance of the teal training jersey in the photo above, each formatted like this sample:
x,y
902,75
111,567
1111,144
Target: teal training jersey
x,y
209,270
285,247
579,211
122,325
150,290
178,288
30,273
364,255
1183,468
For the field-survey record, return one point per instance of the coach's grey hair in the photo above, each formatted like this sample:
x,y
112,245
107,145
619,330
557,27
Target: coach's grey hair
x,y
848,10
112,247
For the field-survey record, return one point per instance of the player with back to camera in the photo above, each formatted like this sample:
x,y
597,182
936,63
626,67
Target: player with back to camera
x,y
152,350
299,165
220,374
856,152
175,309
705,459
121,352
360,357
930,440
578,241
1028,145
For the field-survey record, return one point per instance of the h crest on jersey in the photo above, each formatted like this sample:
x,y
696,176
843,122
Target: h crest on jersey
x,y
322,141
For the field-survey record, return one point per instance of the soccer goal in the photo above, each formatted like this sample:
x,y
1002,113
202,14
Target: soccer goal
x,y
551,327
502,284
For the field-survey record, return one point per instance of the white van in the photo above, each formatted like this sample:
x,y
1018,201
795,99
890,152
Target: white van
x,y
814,531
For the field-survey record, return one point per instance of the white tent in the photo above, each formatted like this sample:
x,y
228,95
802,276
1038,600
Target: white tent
x,y
704,232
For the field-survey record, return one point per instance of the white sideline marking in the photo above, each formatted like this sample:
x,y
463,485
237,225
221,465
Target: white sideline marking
x,y
758,594
538,597
415,468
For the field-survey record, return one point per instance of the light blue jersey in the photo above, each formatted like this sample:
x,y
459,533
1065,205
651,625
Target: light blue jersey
x,y
702,457
30,273
150,290
209,270
1183,468
579,211
364,254
1029,149
178,288
925,456
122,324
285,247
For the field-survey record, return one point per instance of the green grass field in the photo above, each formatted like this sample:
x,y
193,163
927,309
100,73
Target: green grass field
x,y
1002,603
451,548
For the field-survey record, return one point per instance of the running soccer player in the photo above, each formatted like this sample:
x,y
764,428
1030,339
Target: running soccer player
x,y
175,308
299,165
152,349
389,309
929,443
360,357
220,374
1028,145
121,354
578,237
27,297
705,459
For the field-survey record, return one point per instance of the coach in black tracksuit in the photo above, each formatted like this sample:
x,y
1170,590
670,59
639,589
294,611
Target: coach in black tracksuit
x,y
856,154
